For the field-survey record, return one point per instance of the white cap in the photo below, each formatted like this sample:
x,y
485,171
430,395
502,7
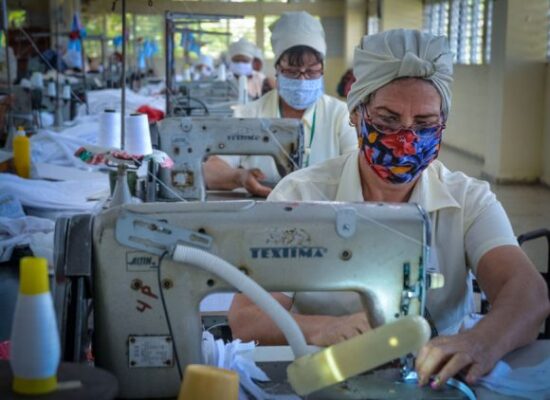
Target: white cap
x,y
259,55
205,60
242,47
297,28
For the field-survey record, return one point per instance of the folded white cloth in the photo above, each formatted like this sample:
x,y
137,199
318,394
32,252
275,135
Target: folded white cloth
x,y
238,356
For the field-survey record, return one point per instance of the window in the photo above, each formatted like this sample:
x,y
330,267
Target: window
x,y
215,37
467,25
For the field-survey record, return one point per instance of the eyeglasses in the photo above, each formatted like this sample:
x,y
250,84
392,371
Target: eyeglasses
x,y
296,73
390,125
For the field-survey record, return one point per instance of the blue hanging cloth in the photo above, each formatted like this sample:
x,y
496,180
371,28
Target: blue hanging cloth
x,y
188,42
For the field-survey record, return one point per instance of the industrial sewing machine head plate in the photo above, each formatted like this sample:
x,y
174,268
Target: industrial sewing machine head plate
x,y
376,250
188,141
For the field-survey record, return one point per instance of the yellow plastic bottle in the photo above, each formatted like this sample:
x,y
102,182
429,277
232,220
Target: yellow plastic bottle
x,y
22,153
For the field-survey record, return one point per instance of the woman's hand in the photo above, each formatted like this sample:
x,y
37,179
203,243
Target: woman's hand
x,y
445,356
338,329
250,180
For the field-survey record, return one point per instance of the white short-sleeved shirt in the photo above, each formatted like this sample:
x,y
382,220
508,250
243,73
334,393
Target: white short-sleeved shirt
x,y
466,222
332,136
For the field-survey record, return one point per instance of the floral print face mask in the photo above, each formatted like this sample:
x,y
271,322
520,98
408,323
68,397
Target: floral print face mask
x,y
400,156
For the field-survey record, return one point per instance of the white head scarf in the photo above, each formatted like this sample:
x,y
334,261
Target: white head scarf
x,y
242,47
297,28
400,53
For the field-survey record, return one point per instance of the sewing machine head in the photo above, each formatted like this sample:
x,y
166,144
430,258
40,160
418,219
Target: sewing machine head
x,y
376,250
188,141
202,98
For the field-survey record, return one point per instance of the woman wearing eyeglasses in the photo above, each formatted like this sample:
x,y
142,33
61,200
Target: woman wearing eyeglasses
x,y
399,105
299,44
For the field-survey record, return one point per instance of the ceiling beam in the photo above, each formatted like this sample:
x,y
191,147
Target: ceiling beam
x,y
323,8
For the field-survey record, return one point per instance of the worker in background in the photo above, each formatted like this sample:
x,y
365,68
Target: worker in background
x,y
299,45
268,83
54,58
203,68
399,106
4,66
241,54
344,85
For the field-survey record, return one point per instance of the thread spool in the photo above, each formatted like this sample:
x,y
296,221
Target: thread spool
x,y
37,80
35,348
137,138
66,91
208,382
243,89
222,73
51,90
186,75
109,129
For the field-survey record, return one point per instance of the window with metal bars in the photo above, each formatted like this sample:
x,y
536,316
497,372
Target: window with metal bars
x,y
467,25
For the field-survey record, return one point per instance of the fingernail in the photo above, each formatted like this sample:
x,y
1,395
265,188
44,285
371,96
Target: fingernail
x,y
435,382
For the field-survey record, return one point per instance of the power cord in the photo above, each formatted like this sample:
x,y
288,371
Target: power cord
x,y
170,331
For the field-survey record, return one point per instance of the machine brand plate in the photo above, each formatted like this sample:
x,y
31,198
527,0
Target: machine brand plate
x,y
150,352
141,261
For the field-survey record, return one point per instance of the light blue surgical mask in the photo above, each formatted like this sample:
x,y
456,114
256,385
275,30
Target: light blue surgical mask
x,y
300,93
241,68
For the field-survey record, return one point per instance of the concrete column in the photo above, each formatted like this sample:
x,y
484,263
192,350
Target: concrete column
x,y
356,27
517,77
260,32
401,14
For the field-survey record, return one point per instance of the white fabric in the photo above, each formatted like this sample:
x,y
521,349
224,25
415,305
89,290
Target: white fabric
x,y
242,47
333,135
58,148
99,100
48,195
238,356
397,53
466,221
297,28
17,231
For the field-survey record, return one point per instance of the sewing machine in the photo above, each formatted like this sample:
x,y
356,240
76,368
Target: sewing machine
x,y
377,250
188,141
30,101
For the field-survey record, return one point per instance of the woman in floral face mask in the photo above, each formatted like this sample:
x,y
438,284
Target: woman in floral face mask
x,y
399,106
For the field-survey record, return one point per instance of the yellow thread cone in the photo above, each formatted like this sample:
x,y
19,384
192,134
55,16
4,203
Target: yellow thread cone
x,y
206,382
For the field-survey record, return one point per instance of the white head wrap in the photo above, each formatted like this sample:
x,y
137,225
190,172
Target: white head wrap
x,y
242,47
400,53
297,29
